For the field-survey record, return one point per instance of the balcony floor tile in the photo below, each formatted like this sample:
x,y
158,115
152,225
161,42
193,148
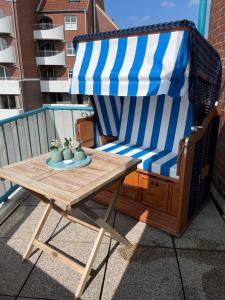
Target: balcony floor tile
x,y
205,233
147,273
13,272
53,280
22,223
140,233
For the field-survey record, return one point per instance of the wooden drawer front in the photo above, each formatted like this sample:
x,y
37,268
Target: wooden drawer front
x,y
131,193
155,193
131,179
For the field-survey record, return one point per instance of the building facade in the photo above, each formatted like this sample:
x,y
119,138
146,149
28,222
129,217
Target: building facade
x,y
36,50
217,39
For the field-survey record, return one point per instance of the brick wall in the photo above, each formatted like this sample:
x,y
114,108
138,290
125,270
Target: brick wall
x,y
217,39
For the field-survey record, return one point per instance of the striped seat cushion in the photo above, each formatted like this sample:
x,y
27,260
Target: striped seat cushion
x,y
158,161
151,129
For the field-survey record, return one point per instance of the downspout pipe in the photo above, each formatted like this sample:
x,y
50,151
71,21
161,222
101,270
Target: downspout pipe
x,y
202,16
94,15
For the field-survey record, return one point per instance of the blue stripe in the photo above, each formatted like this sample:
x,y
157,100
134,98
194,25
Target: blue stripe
x,y
188,124
147,165
172,124
100,66
157,67
130,120
178,78
105,115
165,168
114,76
137,64
157,121
143,122
114,147
116,114
84,67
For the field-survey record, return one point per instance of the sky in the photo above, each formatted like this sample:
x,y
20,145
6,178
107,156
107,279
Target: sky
x,y
131,13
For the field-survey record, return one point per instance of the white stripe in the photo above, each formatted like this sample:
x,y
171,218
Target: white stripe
x,y
77,67
169,61
111,57
184,89
120,148
173,171
91,68
150,121
127,64
134,151
181,122
124,119
146,156
143,76
106,146
118,105
165,122
100,116
137,120
156,165
110,115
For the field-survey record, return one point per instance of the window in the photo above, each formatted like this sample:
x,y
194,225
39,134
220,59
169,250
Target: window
x,y
74,0
3,44
70,73
70,22
70,51
4,73
7,102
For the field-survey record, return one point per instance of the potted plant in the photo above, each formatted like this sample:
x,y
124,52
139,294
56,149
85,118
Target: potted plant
x,y
67,152
56,155
79,153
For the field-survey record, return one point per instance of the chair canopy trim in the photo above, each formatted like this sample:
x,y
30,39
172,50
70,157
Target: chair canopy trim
x,y
144,65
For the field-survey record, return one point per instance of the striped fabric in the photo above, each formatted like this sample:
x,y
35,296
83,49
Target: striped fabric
x,y
108,111
146,65
151,128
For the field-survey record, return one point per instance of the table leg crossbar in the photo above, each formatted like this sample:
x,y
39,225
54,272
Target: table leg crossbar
x,y
103,229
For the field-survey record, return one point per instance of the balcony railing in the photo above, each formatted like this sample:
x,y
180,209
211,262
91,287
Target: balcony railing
x,y
47,31
51,57
10,86
55,85
7,55
29,134
5,25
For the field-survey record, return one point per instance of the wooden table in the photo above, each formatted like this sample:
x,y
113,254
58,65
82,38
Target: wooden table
x,y
72,188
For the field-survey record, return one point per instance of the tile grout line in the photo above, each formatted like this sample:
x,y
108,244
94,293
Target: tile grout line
x,y
36,262
107,259
179,270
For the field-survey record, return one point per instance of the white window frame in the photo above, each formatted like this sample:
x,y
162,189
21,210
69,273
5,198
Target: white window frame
x,y
70,71
70,51
69,23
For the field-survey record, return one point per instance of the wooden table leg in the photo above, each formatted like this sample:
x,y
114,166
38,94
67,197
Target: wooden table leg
x,y
103,228
38,230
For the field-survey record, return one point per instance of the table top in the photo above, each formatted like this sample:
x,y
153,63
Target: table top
x,y
69,186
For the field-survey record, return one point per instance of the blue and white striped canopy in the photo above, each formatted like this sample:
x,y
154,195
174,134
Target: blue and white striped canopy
x,y
145,65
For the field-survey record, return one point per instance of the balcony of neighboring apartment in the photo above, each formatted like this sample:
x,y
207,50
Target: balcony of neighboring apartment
x,y
5,25
8,85
7,53
49,57
46,30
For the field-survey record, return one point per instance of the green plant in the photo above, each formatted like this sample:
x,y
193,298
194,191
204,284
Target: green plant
x,y
79,145
55,144
68,142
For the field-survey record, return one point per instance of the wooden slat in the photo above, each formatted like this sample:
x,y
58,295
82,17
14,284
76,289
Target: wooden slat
x,y
63,124
49,116
24,138
34,135
43,132
57,255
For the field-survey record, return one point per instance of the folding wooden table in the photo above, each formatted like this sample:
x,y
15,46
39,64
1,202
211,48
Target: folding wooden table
x,y
72,188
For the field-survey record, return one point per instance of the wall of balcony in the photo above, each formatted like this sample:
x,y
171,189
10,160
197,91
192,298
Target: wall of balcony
x,y
7,55
10,87
48,32
51,58
8,113
55,86
6,25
